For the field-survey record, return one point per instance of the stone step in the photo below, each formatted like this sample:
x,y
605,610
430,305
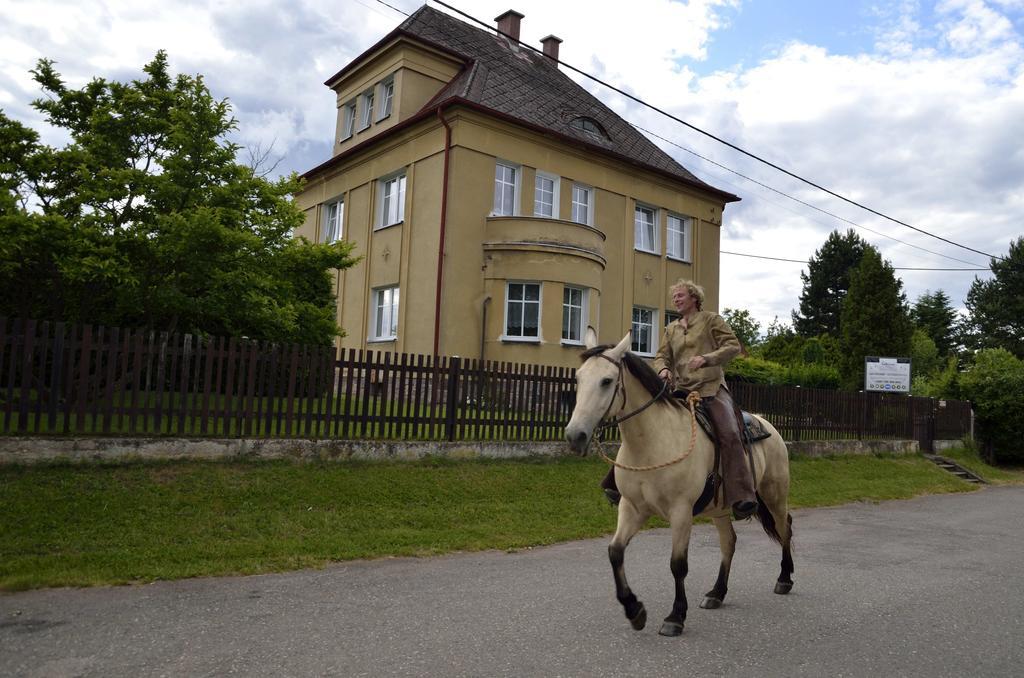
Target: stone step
x,y
955,468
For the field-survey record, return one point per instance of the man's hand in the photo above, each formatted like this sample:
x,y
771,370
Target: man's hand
x,y
697,362
666,375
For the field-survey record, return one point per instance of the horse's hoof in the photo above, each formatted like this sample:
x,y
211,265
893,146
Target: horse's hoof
x,y
783,587
640,620
670,629
710,603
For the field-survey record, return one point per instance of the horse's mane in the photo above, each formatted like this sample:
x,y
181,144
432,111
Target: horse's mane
x,y
639,368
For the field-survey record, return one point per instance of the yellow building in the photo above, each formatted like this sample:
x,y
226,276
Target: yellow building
x,y
499,207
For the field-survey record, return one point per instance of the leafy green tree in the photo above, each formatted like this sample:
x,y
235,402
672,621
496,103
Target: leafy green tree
x,y
944,383
925,360
780,343
994,384
934,314
760,371
146,219
821,350
825,284
746,328
996,306
875,318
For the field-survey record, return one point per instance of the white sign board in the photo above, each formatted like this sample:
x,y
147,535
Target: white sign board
x,y
887,374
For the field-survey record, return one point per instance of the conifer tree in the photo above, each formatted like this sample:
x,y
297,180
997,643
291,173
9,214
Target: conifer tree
x,y
996,306
825,284
936,317
875,320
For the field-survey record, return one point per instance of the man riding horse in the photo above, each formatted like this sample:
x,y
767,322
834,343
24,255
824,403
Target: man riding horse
x,y
692,356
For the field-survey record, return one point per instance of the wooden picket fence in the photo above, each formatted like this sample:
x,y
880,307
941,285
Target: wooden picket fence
x,y
69,379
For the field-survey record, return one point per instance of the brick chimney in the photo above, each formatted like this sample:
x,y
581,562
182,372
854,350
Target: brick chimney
x,y
551,46
508,23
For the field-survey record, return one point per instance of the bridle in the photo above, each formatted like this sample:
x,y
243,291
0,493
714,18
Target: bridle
x,y
616,420
607,422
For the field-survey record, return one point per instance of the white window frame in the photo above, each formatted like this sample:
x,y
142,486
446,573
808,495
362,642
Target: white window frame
x,y
567,308
348,119
670,317
366,104
539,303
384,314
637,325
639,234
588,217
683,239
506,179
554,179
387,97
390,209
334,220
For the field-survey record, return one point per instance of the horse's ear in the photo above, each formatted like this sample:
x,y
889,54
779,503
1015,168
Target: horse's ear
x,y
590,338
623,346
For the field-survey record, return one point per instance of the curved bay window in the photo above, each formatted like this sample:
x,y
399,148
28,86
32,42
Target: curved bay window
x,y
522,311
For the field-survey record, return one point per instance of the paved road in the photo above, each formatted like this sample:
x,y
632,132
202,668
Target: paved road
x,y
928,587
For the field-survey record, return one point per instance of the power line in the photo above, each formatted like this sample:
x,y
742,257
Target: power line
x,y
798,200
716,138
801,261
393,7
375,11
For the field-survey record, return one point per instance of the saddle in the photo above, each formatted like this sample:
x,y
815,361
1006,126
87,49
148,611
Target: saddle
x,y
752,431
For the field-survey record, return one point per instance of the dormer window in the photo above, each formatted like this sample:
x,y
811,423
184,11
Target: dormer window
x,y
367,116
590,127
387,95
348,122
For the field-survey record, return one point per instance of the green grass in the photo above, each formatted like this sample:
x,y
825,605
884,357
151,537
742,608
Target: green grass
x,y
996,475
830,481
95,524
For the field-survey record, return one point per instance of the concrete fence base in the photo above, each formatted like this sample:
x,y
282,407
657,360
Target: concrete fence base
x,y
33,450
29,450
822,448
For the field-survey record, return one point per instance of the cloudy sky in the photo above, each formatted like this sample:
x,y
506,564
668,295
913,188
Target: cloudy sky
x,y
912,108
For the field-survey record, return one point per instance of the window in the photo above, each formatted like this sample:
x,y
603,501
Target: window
x,y
678,245
334,214
590,127
384,324
392,200
348,120
581,207
643,330
505,178
367,116
387,95
574,312
671,317
646,234
545,196
522,311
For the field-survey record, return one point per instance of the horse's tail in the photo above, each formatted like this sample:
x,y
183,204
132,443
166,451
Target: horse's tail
x,y
768,521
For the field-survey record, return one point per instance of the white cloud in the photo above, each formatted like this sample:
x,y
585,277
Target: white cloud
x,y
930,137
925,126
972,26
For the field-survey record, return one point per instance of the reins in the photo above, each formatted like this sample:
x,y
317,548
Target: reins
x,y
691,400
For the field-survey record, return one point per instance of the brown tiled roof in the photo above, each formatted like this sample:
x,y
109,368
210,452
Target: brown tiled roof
x,y
520,84
528,86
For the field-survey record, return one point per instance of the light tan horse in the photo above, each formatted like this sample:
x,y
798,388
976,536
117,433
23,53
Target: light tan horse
x,y
659,474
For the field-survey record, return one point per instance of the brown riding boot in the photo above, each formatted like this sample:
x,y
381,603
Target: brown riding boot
x,y
736,474
611,490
